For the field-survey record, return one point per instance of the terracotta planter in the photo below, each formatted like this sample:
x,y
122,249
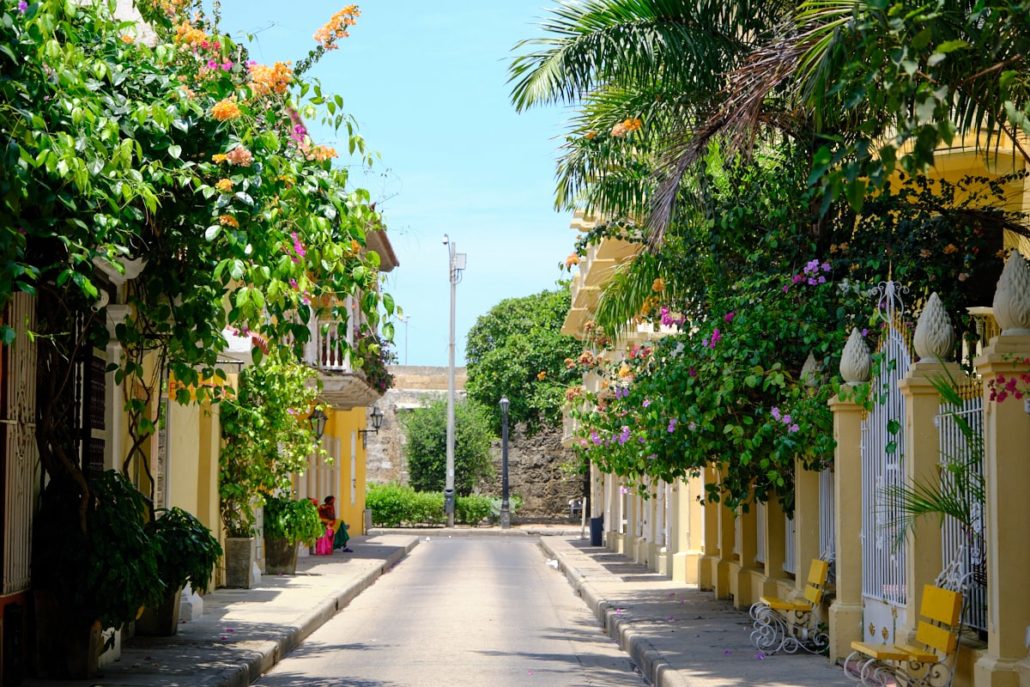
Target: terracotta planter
x,y
162,621
239,561
280,556
66,646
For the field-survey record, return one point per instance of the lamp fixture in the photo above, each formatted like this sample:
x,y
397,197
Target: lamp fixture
x,y
377,421
318,419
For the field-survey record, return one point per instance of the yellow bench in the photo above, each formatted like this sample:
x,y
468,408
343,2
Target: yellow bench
x,y
787,624
925,663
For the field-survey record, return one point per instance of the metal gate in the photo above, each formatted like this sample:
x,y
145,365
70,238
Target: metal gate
x,y
883,551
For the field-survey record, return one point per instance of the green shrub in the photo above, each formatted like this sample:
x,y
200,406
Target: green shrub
x,y
472,509
393,505
293,520
426,449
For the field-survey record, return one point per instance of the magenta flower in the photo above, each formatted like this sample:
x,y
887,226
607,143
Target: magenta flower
x,y
775,412
212,64
23,7
693,372
787,419
226,66
293,283
298,247
793,428
716,338
825,266
646,402
786,288
729,316
672,426
797,278
594,438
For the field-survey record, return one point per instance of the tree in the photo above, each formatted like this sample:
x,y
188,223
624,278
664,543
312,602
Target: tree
x,y
185,158
426,449
517,350
267,438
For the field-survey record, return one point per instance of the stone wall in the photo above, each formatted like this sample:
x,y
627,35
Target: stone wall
x,y
534,463
539,470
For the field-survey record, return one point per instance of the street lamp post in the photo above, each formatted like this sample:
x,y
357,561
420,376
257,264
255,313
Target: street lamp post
x,y
456,264
505,506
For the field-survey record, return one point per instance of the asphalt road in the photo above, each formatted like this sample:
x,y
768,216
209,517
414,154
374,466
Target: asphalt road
x,y
484,611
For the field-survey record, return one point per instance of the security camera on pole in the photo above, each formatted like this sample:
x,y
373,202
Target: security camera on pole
x,y
456,265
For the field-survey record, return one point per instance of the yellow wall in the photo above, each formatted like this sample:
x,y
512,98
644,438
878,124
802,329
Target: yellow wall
x,y
343,429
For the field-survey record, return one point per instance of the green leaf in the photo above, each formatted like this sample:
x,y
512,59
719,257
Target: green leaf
x,y
212,232
175,151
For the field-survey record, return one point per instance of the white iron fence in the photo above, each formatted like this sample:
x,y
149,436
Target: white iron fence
x,y
960,428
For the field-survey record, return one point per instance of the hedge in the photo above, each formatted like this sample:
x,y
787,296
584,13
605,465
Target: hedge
x,y
394,505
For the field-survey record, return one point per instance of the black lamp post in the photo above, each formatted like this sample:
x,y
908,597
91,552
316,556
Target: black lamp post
x,y
318,420
505,511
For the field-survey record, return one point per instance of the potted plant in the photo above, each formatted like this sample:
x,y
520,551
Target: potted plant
x,y
288,522
186,552
78,591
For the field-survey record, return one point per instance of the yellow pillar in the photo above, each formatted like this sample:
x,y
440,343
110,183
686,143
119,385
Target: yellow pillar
x,y
708,573
806,523
846,609
686,526
743,596
922,465
1007,473
775,535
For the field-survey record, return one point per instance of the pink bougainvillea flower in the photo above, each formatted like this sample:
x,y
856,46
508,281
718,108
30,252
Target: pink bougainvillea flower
x,y
793,428
594,438
775,412
716,337
23,7
672,426
787,419
729,316
646,402
226,66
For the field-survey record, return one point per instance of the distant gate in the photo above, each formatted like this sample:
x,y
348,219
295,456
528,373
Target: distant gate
x,y
883,553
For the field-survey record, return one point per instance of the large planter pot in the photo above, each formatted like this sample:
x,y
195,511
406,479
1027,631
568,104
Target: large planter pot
x,y
67,647
280,556
163,620
239,561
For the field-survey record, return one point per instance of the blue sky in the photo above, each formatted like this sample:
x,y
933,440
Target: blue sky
x,y
427,83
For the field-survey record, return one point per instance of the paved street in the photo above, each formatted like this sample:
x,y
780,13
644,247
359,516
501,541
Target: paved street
x,y
461,611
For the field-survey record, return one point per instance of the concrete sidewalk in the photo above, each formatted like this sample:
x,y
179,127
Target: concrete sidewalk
x,y
678,636
244,632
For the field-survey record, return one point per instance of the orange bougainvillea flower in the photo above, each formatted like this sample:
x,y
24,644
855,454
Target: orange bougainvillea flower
x,y
658,285
219,158
226,109
239,156
127,39
228,221
573,259
224,185
275,79
591,135
187,34
541,375
336,28
321,153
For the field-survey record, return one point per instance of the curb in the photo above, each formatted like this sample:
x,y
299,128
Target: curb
x,y
268,653
653,665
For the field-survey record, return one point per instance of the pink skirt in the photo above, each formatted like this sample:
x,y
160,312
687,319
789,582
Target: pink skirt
x,y
324,544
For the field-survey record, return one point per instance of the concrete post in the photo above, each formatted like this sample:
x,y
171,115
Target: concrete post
x,y
743,595
846,609
775,543
1007,476
922,465
806,523
687,530
708,573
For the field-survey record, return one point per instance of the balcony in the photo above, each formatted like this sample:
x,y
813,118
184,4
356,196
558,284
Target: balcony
x,y
327,352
